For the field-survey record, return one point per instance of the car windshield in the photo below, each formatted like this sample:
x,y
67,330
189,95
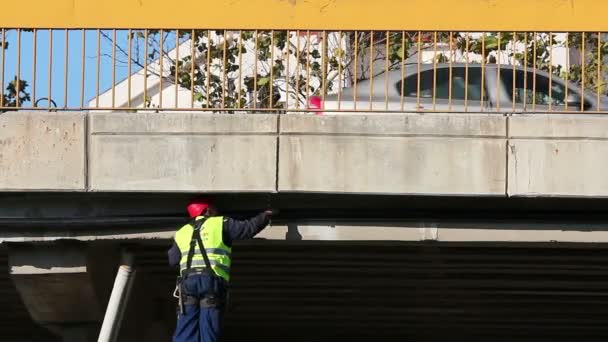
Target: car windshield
x,y
464,84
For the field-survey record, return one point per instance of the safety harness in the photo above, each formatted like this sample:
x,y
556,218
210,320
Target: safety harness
x,y
211,299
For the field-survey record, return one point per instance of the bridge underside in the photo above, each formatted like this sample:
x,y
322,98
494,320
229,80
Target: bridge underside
x,y
358,267
426,291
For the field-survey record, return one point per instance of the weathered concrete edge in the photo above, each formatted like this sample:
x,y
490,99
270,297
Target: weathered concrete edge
x,y
586,126
426,232
406,124
55,137
182,123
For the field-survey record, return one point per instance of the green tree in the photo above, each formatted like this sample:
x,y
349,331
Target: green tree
x,y
16,92
537,54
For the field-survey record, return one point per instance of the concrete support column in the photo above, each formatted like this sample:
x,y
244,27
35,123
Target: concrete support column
x,y
60,288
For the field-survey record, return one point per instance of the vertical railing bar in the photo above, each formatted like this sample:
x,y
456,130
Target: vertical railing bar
x,y
287,56
514,49
161,67
324,58
192,61
271,83
403,49
3,64
255,72
534,72
466,73
583,72
525,99
67,61
340,53
451,75
599,69
51,68
176,68
297,70
418,71
371,69
224,72
240,81
567,68
208,76
18,81
356,66
434,69
34,48
145,68
386,57
308,43
483,68
98,68
130,43
83,68
550,71
113,68
498,53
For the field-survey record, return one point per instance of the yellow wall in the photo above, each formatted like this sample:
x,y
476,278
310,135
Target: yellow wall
x,y
457,15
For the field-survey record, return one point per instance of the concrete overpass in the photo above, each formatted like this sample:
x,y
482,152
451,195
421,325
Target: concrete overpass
x,y
429,226
430,154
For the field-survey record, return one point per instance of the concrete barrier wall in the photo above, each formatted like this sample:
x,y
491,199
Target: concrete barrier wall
x,y
42,151
182,152
558,155
430,154
393,154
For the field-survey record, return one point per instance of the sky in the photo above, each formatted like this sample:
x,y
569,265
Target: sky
x,y
74,63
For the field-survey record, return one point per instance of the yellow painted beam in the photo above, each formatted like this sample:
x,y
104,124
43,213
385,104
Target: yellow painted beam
x,y
440,15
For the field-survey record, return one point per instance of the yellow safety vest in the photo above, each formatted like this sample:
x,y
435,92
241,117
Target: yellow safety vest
x,y
212,238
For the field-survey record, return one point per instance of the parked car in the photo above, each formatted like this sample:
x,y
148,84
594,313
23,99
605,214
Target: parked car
x,y
543,93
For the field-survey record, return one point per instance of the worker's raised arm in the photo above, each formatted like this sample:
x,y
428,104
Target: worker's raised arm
x,y
236,230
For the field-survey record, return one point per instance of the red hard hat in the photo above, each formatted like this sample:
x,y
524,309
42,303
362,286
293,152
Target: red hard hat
x,y
197,207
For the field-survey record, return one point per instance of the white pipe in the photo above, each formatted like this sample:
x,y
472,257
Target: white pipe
x,y
118,299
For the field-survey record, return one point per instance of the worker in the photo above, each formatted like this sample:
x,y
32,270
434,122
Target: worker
x,y
202,250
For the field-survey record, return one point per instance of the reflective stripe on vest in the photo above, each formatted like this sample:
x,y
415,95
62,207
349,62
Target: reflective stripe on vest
x,y
212,251
212,237
201,263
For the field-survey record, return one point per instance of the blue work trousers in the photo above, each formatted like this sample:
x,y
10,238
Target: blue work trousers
x,y
201,324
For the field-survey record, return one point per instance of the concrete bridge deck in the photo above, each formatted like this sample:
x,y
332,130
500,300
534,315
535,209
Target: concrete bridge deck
x,y
402,154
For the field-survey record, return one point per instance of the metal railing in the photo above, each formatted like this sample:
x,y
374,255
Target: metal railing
x,y
285,71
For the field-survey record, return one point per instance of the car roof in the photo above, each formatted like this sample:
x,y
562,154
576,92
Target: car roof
x,y
396,75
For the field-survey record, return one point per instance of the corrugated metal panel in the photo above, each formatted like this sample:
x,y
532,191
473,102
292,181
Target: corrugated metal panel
x,y
320,291
416,291
15,321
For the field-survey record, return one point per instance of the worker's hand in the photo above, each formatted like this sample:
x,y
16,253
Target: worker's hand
x,y
271,212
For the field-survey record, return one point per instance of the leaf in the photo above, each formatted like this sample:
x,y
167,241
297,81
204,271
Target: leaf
x,y
263,81
198,97
401,52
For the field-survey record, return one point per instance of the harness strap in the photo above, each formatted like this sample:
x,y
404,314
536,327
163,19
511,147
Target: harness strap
x,y
196,239
197,236
196,225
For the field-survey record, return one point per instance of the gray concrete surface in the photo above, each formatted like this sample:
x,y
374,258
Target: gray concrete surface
x,y
408,154
430,154
42,151
558,155
182,152
68,293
